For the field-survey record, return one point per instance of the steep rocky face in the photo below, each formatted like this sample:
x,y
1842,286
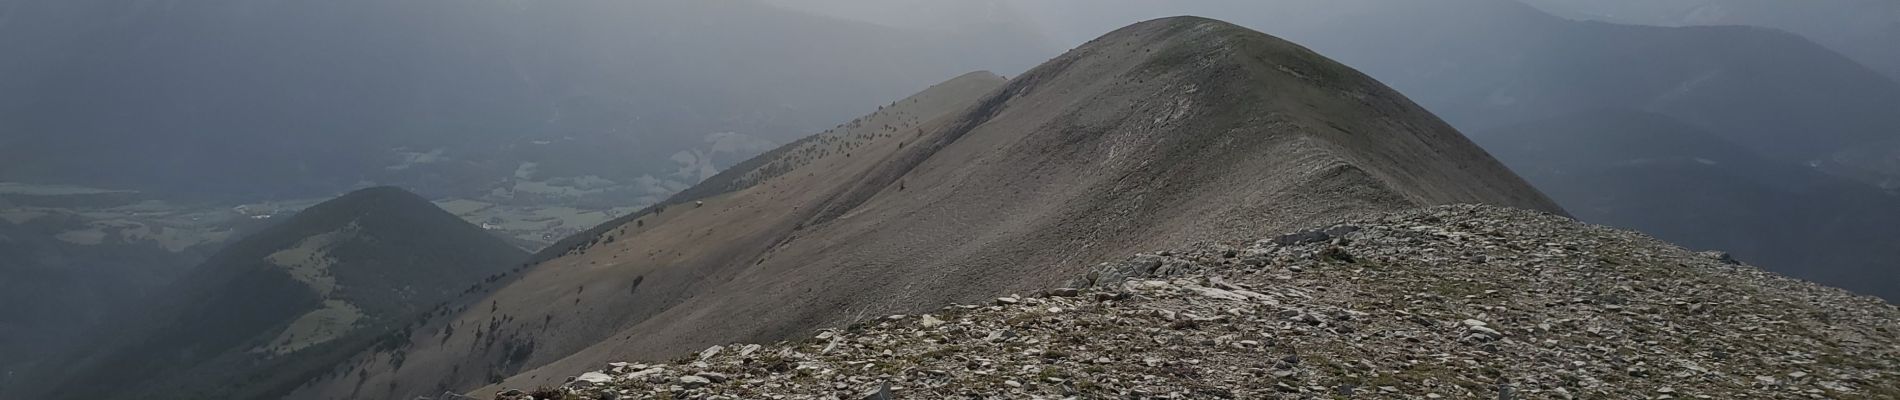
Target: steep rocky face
x,y
1447,302
283,305
1160,134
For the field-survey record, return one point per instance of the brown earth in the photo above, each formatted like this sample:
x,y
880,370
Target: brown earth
x,y
1158,135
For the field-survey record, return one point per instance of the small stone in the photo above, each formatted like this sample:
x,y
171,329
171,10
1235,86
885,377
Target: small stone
x,y
1341,230
1492,333
1302,238
655,371
1004,301
882,392
1013,383
693,381
715,377
591,379
1218,293
928,321
710,352
1721,257
1064,292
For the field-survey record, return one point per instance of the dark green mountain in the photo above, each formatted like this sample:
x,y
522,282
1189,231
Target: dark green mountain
x,y
1659,175
284,305
55,294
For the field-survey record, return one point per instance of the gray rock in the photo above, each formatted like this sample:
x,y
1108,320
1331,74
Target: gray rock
x,y
715,377
1111,273
929,321
1486,331
590,379
1341,230
1302,238
748,350
882,392
693,381
455,396
647,373
1721,256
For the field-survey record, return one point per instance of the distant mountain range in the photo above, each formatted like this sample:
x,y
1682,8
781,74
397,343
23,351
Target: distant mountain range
x,y
1504,63
1659,175
1864,30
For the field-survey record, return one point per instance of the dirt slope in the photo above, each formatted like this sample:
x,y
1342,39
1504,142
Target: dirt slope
x,y
1160,134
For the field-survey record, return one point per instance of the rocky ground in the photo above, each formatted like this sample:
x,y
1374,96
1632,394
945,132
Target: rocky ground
x,y
1446,302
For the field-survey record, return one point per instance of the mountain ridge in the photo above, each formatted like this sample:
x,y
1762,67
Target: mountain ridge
x,y
1169,131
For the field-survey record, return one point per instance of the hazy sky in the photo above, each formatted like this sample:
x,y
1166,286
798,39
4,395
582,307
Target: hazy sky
x,y
1067,22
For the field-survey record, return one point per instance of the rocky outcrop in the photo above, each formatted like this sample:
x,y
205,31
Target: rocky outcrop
x,y
1446,302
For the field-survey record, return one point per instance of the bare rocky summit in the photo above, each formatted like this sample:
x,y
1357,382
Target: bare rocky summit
x,y
1459,301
